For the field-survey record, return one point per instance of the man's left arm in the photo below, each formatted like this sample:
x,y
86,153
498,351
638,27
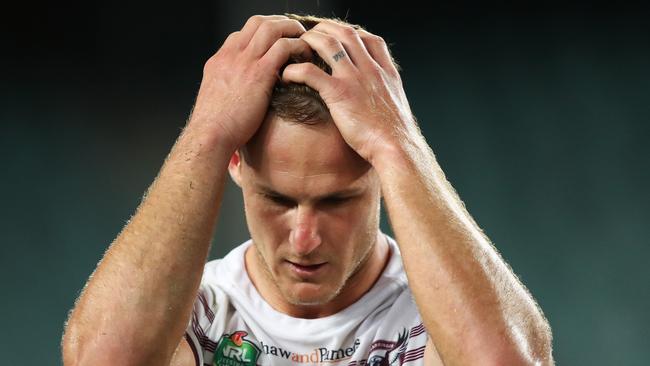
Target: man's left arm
x,y
474,308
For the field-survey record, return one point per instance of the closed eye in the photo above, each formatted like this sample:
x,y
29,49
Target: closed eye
x,y
333,201
281,201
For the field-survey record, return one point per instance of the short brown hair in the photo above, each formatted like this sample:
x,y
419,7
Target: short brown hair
x,y
298,102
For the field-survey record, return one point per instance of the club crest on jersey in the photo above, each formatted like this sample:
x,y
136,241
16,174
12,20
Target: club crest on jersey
x,y
235,350
395,351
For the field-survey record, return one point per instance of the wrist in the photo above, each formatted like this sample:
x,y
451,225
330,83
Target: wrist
x,y
403,155
207,138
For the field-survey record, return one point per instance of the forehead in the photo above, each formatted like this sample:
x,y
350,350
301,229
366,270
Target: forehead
x,y
303,159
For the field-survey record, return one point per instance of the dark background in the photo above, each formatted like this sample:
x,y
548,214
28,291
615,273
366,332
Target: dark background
x,y
538,115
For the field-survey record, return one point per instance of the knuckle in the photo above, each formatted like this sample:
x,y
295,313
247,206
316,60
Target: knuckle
x,y
393,73
292,45
232,36
370,37
264,27
281,47
348,32
254,20
308,68
283,43
339,91
213,64
270,28
296,24
375,71
258,71
208,65
331,42
377,39
300,68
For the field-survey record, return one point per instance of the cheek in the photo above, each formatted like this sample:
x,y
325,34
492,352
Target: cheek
x,y
358,222
265,219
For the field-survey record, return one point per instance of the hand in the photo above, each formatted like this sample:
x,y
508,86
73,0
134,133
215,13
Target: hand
x,y
364,94
238,80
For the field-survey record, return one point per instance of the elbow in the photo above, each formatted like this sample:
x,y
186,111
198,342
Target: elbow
x,y
536,350
106,351
107,356
523,359
513,356
529,344
516,358
513,349
543,348
539,350
77,351
70,345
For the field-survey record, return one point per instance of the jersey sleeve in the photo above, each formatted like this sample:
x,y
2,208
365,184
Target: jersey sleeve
x,y
200,322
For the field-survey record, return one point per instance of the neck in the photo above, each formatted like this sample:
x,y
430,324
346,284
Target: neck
x,y
357,285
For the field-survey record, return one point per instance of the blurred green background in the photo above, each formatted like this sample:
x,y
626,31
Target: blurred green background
x,y
539,115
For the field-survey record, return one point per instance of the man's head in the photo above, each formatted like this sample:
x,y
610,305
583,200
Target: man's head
x,y
312,203
298,102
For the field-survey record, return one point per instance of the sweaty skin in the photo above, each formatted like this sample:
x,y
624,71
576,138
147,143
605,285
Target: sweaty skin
x,y
310,206
474,308
135,307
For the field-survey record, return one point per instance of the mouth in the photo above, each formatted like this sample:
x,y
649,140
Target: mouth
x,y
305,269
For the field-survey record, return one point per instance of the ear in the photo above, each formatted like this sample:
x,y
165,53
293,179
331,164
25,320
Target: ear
x,y
234,167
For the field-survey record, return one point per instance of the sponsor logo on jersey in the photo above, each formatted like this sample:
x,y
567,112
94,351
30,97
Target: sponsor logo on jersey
x,y
317,355
235,350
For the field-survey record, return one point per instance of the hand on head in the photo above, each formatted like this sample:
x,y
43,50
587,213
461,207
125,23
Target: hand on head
x,y
358,82
237,81
363,93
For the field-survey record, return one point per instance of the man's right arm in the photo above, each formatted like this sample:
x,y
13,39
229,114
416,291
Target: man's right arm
x,y
136,306
142,291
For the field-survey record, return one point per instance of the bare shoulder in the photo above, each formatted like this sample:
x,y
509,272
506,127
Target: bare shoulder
x,y
183,356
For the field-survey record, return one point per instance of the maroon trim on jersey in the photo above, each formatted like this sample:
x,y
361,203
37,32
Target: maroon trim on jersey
x,y
193,347
413,354
204,341
417,330
208,312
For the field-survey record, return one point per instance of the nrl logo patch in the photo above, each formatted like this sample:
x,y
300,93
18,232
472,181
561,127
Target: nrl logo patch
x,y
235,350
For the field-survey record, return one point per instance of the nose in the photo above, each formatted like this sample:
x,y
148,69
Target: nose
x,y
304,236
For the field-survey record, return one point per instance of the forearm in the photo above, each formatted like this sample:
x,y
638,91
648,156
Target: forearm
x,y
136,305
474,308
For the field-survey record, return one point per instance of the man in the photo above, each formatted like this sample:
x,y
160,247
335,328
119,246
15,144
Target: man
x,y
318,282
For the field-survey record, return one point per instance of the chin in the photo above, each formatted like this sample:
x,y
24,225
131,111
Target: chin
x,y
309,295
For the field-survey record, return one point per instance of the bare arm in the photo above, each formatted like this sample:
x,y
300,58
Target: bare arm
x,y
142,292
136,306
475,310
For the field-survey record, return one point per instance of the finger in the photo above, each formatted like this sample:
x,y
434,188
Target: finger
x,y
252,24
330,50
378,49
284,49
309,74
232,40
350,40
270,31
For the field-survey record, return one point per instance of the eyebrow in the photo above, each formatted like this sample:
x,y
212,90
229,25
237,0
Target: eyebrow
x,y
341,193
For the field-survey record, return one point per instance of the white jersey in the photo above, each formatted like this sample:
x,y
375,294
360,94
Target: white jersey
x,y
233,325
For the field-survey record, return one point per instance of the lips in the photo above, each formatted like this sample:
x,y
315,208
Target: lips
x,y
304,269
